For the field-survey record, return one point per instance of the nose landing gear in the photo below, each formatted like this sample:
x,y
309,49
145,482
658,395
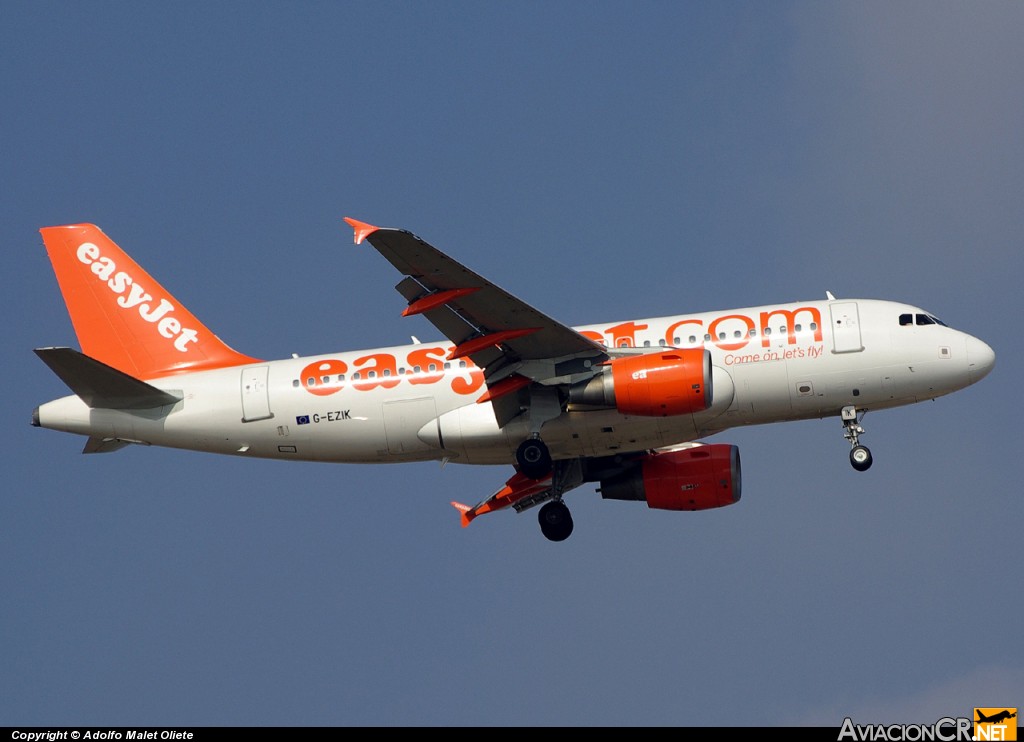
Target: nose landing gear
x,y
860,456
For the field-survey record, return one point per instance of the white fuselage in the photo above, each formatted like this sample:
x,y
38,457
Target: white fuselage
x,y
408,403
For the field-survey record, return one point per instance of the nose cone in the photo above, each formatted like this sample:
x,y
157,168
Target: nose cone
x,y
980,359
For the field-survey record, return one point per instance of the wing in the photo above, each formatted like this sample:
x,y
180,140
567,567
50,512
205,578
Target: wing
x,y
511,341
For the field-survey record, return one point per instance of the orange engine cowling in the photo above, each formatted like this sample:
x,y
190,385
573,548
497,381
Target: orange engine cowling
x,y
692,479
669,382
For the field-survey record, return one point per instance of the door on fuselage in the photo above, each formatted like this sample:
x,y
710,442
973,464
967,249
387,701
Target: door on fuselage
x,y
845,327
255,394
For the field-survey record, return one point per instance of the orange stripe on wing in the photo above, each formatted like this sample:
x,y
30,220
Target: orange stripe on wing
x,y
436,299
513,383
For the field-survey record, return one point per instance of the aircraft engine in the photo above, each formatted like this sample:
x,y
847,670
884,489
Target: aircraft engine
x,y
669,382
696,478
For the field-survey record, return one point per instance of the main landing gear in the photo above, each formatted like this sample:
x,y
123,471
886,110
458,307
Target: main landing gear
x,y
555,521
534,461
534,458
860,456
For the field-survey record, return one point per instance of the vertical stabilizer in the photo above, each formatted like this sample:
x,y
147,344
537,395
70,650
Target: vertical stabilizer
x,y
122,317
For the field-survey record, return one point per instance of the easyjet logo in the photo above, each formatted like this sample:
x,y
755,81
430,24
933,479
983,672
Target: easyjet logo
x,y
133,297
384,370
750,329
727,331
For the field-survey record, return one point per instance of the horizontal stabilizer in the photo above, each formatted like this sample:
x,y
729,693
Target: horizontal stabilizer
x,y
100,385
95,444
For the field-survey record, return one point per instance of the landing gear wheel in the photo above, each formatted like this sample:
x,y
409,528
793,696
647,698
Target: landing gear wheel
x,y
533,458
555,521
860,458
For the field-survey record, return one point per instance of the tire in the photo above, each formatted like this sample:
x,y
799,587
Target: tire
x,y
860,458
555,521
533,458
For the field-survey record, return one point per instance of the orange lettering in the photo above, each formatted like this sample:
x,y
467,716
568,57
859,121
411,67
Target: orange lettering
x,y
384,372
721,343
790,317
425,358
624,335
317,377
460,385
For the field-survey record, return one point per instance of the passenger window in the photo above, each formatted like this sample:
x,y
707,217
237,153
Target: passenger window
x,y
310,381
814,326
737,334
782,329
662,342
447,366
356,375
647,343
371,374
797,328
692,340
341,377
295,382
325,379
766,330
721,336
753,332
386,372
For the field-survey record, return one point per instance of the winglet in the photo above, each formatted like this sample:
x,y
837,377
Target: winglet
x,y
466,510
363,230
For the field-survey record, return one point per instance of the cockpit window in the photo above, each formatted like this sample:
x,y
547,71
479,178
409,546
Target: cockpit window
x,y
920,319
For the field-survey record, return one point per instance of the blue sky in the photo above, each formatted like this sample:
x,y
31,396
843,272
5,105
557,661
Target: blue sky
x,y
603,161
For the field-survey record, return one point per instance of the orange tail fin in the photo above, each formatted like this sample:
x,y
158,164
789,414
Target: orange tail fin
x,y
123,317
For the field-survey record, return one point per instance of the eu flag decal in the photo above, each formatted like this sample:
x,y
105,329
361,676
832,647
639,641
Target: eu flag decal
x,y
302,420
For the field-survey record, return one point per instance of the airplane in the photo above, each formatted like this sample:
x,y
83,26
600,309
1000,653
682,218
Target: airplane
x,y
995,718
626,405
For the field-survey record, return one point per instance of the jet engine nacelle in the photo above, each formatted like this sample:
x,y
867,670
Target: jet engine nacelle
x,y
669,382
696,478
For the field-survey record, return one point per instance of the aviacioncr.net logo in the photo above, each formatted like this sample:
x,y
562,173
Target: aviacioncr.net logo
x,y
995,724
946,729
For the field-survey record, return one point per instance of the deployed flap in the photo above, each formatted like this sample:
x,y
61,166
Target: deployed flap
x,y
485,322
100,385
